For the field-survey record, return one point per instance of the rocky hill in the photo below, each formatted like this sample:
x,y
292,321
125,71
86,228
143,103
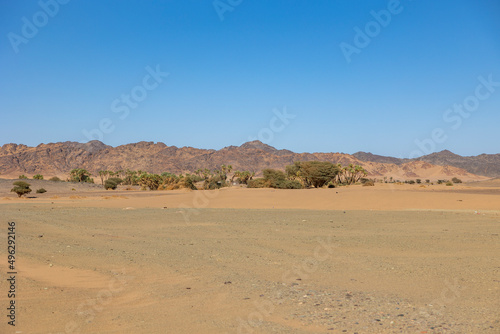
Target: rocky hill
x,y
59,158
483,164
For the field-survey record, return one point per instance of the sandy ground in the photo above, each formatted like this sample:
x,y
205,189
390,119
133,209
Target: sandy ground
x,y
383,259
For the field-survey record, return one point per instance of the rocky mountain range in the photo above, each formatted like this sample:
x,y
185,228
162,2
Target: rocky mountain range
x,y
483,164
59,158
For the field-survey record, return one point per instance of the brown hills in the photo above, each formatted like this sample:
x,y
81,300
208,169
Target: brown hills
x,y
483,164
59,158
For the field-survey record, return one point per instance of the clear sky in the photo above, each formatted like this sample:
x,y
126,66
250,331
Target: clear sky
x,y
378,76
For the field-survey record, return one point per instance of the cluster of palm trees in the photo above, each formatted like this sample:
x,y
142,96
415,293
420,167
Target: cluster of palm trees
x,y
242,177
106,174
218,177
350,174
215,178
80,175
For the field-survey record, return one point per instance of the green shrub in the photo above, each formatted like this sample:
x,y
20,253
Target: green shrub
x,y
449,183
151,181
23,176
41,191
38,177
109,184
242,177
456,180
258,183
419,181
21,188
313,173
55,179
292,184
276,179
427,181
410,181
189,181
80,175
214,182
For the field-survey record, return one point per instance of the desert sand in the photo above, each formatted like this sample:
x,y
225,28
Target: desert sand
x,y
383,259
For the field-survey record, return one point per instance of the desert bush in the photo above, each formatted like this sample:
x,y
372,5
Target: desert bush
x,y
80,175
449,183
216,178
367,182
349,174
456,180
55,179
292,184
441,181
188,182
410,181
419,181
38,177
41,191
214,182
151,181
313,173
21,188
242,177
23,177
258,183
173,182
277,179
195,178
130,178
169,181
427,181
110,184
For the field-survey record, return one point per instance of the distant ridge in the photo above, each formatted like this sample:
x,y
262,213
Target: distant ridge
x,y
59,158
366,156
483,164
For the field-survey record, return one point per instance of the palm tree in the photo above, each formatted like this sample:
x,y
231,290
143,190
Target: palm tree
x,y
79,174
103,174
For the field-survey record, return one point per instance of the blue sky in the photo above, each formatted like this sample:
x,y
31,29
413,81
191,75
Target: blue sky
x,y
234,65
